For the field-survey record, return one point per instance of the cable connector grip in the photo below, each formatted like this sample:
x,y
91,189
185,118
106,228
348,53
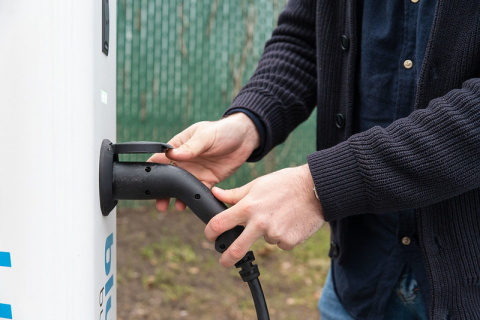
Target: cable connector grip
x,y
249,270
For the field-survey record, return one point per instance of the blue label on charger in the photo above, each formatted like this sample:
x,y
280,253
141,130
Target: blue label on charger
x,y
5,309
5,259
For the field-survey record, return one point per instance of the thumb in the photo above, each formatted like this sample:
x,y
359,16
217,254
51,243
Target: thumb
x,y
190,149
232,196
161,157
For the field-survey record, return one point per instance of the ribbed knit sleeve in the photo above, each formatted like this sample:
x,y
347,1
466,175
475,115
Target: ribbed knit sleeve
x,y
282,91
427,157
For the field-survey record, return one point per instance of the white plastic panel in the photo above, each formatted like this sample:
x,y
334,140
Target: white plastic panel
x,y
52,121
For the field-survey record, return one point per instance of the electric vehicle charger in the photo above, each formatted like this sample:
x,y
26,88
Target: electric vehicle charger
x,y
145,180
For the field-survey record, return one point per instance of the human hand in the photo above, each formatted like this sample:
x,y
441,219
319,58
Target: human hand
x,y
280,206
211,151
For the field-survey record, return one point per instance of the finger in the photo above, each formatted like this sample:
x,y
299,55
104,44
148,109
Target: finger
x,y
269,240
180,205
232,196
286,246
175,142
180,138
162,204
195,146
209,184
240,247
159,158
222,222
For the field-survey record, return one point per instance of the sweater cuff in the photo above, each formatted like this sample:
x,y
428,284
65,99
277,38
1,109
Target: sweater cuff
x,y
269,111
338,181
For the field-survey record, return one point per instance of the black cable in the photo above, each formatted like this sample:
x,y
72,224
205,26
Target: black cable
x,y
250,275
259,299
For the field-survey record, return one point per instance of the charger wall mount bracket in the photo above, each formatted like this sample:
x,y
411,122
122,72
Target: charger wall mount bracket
x,y
109,155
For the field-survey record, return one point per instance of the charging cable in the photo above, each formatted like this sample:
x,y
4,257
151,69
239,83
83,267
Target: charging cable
x,y
249,273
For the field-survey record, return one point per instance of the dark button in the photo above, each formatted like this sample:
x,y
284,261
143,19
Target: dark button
x,y
333,250
345,43
340,121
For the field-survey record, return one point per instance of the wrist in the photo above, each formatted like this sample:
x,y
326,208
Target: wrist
x,y
309,186
250,132
306,177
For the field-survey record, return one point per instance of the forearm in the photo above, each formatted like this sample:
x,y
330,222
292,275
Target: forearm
x,y
432,155
282,91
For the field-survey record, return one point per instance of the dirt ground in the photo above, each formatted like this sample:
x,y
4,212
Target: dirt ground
x,y
168,270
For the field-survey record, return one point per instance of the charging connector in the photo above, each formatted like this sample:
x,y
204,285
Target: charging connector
x,y
146,180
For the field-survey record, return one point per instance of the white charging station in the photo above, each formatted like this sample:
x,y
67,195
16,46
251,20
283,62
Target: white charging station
x,y
57,104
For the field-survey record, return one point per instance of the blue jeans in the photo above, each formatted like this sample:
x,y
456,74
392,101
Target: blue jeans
x,y
405,302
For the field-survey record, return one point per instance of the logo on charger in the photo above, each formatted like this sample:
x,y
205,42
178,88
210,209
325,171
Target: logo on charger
x,y
104,293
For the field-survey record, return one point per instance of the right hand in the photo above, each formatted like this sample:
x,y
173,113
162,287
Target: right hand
x,y
211,151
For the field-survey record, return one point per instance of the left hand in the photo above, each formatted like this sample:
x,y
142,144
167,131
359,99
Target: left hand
x,y
280,206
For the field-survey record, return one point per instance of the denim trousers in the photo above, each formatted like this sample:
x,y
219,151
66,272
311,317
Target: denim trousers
x,y
405,303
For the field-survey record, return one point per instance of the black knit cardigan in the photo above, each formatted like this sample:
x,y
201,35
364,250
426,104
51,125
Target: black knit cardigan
x,y
429,161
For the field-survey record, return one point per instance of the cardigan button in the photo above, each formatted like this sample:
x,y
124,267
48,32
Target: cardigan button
x,y
340,121
333,250
406,241
345,43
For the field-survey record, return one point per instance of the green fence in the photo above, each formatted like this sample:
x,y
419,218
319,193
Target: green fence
x,y
180,62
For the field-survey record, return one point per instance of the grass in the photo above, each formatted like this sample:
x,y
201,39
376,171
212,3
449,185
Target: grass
x,y
168,270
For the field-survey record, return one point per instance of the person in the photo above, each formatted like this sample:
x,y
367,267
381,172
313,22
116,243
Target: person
x,y
397,172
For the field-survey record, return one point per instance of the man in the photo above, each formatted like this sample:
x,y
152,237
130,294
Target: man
x,y
397,173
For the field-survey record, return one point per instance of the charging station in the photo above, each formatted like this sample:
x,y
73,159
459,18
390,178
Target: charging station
x,y
57,104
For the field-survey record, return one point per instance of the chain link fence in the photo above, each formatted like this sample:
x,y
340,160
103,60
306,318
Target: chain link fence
x,y
180,62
